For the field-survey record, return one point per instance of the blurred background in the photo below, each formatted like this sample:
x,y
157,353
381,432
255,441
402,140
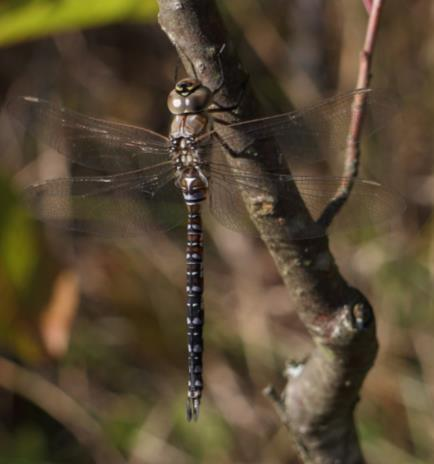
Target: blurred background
x,y
92,334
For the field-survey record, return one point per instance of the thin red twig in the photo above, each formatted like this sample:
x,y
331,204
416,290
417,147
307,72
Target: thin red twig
x,y
352,152
368,5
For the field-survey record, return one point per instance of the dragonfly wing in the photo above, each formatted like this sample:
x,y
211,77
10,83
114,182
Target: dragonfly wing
x,y
110,206
227,206
370,204
305,136
103,145
229,187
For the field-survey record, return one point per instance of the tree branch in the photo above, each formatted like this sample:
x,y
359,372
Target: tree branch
x,y
319,398
352,152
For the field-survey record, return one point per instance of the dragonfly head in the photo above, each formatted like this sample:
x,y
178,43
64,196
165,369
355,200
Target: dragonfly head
x,y
189,96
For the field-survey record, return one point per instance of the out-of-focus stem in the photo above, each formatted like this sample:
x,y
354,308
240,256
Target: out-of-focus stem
x,y
352,151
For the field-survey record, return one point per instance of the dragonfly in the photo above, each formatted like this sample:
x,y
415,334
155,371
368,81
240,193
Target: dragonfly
x,y
140,180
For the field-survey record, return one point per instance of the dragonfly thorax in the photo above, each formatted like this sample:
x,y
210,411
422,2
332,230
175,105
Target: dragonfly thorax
x,y
189,165
184,152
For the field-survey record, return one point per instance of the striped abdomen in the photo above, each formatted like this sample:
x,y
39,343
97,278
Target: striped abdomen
x,y
194,185
195,313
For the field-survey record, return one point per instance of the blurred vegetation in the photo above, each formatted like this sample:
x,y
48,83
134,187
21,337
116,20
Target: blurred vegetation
x,y
92,336
27,20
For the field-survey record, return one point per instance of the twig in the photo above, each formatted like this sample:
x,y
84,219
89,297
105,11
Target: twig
x,y
352,152
319,402
368,5
60,407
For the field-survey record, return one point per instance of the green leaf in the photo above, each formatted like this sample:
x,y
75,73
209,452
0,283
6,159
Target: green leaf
x,y
30,19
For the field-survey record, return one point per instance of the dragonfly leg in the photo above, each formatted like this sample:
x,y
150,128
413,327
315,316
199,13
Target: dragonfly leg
x,y
216,107
222,122
223,143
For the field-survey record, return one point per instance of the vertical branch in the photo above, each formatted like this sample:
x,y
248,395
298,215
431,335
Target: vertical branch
x,y
352,151
318,401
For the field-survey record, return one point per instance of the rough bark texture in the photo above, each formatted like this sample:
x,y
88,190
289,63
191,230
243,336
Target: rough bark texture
x,y
318,402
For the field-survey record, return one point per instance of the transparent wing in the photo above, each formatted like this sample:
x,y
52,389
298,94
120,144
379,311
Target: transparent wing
x,y
110,206
227,205
369,204
88,141
306,136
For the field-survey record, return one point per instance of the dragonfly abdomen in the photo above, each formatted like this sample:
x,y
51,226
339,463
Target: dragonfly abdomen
x,y
195,313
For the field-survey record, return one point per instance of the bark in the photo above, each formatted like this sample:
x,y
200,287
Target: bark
x,y
318,402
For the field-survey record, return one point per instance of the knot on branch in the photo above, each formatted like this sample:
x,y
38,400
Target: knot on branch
x,y
345,325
